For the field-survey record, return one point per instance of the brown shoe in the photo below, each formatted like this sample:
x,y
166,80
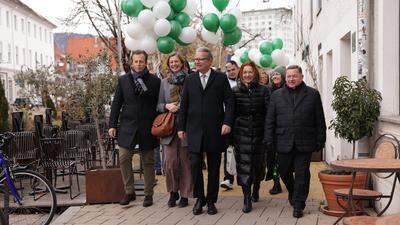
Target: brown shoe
x,y
127,198
148,201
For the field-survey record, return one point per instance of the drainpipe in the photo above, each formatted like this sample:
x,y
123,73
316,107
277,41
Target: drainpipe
x,y
363,58
119,41
363,27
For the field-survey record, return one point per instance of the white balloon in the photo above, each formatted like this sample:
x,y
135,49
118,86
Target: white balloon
x,y
188,35
253,53
239,52
209,36
161,10
147,19
148,44
236,59
135,30
237,13
257,59
279,57
191,7
162,27
148,3
132,44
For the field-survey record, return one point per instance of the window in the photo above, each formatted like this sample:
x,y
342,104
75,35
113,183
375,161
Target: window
x,y
41,59
318,6
45,35
28,28
15,22
1,52
47,60
51,37
8,18
40,33
23,57
34,30
311,14
22,25
10,90
36,59
16,55
30,58
9,54
1,17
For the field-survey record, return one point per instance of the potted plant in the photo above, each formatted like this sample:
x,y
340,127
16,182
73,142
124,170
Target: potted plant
x,y
357,108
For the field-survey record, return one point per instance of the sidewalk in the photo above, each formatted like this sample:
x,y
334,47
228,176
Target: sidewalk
x,y
268,211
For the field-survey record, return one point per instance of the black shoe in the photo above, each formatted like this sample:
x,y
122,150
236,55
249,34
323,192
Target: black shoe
x,y
198,206
174,196
247,206
297,213
148,201
183,202
158,172
211,209
255,196
127,198
276,189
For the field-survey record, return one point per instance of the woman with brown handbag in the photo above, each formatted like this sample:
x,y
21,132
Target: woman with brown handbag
x,y
176,161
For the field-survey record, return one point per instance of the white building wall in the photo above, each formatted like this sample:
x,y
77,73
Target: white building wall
x,y
17,27
333,28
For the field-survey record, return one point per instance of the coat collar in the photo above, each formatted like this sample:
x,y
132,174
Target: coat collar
x,y
211,78
301,93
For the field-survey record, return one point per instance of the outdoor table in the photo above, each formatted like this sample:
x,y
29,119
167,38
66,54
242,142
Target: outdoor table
x,y
371,165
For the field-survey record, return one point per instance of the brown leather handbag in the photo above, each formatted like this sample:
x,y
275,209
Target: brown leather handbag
x,y
163,125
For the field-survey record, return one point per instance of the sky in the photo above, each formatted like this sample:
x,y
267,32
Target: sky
x,y
54,10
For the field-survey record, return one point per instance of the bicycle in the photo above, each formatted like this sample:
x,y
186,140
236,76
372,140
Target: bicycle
x,y
31,192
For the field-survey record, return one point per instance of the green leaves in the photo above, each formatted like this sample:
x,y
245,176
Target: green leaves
x,y
357,108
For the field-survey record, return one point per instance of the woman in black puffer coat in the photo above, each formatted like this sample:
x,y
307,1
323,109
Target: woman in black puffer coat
x,y
251,104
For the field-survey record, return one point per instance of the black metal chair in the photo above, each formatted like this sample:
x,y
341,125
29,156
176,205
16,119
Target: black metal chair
x,y
55,156
23,148
77,139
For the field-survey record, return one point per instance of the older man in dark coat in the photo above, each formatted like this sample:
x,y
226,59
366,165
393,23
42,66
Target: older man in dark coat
x,y
203,120
295,127
137,95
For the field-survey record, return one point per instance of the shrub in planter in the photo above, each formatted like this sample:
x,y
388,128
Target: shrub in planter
x,y
357,108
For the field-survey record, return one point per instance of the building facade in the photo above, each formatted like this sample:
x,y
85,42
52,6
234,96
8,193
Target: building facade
x,y
270,23
26,41
330,36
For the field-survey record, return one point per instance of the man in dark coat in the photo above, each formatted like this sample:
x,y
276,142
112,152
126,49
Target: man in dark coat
x,y
203,120
295,127
137,95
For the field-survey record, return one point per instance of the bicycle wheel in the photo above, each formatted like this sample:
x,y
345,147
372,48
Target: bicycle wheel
x,y
39,200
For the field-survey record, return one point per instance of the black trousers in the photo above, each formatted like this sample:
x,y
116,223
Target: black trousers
x,y
298,185
213,166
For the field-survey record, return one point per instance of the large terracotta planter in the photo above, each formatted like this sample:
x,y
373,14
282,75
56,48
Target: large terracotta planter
x,y
331,182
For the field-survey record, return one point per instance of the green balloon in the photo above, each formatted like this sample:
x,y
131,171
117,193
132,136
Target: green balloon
x,y
211,22
266,48
228,23
176,29
171,15
220,4
265,61
278,43
273,65
177,5
245,57
233,37
183,19
131,7
165,44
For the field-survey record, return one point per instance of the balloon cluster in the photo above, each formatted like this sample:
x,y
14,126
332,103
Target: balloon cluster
x,y
159,24
268,55
227,22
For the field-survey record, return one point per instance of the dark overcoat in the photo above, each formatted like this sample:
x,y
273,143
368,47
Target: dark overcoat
x,y
295,120
251,105
201,113
135,113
